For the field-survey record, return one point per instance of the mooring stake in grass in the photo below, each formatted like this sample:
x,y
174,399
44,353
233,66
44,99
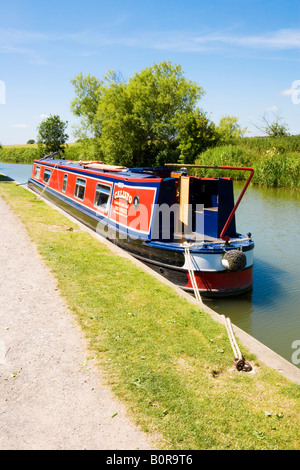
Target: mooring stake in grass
x,y
169,361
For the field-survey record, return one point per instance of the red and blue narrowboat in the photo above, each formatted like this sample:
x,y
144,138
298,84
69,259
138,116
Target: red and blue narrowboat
x,y
181,226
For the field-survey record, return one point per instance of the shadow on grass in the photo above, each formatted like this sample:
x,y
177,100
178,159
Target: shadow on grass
x,y
4,178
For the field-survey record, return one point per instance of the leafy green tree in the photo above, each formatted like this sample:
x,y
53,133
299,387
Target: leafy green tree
x,y
30,142
137,122
196,134
52,135
88,92
229,129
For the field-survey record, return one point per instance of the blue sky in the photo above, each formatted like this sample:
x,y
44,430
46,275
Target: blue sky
x,y
245,54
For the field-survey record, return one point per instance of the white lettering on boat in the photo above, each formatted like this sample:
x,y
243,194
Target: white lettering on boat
x,y
123,195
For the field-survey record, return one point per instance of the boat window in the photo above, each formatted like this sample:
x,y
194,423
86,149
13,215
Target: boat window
x,y
65,183
80,188
47,175
102,195
37,172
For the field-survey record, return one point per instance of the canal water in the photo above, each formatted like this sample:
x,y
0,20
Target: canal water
x,y
19,173
271,313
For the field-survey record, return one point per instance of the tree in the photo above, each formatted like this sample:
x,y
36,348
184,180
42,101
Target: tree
x,y
196,134
85,104
272,126
52,135
137,121
30,142
229,129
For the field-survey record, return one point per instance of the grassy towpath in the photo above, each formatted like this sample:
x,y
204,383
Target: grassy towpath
x,y
168,361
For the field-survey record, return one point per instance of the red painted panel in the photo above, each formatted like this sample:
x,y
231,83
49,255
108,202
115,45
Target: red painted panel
x,y
223,280
125,212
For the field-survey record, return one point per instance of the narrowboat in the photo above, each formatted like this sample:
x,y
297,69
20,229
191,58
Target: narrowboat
x,y
182,226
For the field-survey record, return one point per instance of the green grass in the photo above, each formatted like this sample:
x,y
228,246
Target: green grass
x,y
167,360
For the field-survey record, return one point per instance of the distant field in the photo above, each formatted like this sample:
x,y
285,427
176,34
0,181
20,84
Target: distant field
x,y
30,146
20,146
27,153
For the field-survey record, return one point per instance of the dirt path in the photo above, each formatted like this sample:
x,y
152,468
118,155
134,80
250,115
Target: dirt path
x,y
49,398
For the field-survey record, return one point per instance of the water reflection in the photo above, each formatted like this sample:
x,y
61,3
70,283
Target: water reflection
x,y
264,298
266,284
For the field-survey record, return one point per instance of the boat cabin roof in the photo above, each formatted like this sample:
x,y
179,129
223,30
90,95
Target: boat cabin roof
x,y
117,172
110,170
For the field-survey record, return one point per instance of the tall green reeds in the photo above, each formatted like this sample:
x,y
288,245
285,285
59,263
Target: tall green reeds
x,y
274,166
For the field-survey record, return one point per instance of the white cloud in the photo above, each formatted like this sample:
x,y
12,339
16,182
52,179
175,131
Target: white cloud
x,y
41,116
31,54
87,53
192,41
282,39
13,40
288,92
32,44
20,126
273,108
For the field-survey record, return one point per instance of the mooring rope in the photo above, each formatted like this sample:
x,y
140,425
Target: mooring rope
x,y
192,274
238,360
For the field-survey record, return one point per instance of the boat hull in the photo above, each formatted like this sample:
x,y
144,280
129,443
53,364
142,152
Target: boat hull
x,y
211,277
